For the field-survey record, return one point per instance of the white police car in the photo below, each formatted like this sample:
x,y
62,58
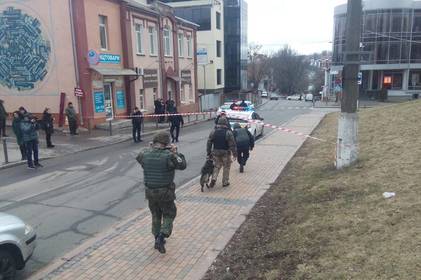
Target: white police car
x,y
249,119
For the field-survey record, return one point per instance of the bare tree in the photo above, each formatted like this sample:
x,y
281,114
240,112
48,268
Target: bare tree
x,y
258,65
290,71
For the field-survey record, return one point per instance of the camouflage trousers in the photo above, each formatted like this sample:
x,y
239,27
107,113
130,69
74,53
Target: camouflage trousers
x,y
163,215
224,162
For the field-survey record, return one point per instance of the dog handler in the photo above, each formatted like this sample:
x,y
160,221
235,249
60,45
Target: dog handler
x,y
159,163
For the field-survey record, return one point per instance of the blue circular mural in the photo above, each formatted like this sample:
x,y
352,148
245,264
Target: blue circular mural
x,y
24,52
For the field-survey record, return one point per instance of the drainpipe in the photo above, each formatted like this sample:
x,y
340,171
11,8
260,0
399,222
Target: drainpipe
x,y
72,28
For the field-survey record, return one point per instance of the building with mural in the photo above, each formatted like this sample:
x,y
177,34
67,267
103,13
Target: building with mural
x,y
115,55
36,54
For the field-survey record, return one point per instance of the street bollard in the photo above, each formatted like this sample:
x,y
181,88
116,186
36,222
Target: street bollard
x,y
6,156
111,128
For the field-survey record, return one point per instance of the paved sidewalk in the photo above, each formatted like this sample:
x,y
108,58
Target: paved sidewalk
x,y
204,225
86,140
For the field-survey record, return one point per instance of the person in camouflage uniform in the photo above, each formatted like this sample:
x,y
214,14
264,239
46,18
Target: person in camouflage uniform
x,y
159,163
221,145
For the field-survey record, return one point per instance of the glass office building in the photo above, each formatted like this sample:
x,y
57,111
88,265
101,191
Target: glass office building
x,y
391,45
236,44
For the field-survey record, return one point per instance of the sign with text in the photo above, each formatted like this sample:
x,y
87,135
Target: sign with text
x,y
78,92
186,76
109,58
99,102
202,56
121,99
150,78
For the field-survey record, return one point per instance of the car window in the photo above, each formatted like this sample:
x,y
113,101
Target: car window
x,y
253,116
257,116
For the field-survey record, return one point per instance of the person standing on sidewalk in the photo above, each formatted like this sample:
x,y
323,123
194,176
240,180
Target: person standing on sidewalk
x,y
71,118
17,119
137,119
29,128
3,118
176,122
221,145
245,144
48,125
159,163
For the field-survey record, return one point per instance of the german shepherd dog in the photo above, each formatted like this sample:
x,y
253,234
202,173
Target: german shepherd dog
x,y
207,171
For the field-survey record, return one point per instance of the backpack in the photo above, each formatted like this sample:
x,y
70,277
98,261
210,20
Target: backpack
x,y
242,137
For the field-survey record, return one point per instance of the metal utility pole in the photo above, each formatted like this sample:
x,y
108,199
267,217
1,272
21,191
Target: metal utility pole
x,y
347,144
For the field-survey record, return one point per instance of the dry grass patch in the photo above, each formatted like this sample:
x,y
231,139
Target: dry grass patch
x,y
318,223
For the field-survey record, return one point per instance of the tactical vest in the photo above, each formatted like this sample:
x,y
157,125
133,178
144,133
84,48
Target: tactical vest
x,y
242,138
155,169
220,139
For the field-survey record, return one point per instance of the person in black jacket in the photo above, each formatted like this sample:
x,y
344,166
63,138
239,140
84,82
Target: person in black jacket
x,y
245,144
176,121
48,126
137,118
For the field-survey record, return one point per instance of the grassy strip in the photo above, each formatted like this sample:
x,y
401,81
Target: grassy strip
x,y
319,223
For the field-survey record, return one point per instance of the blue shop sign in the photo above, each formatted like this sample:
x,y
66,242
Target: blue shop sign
x,y
109,58
121,99
99,102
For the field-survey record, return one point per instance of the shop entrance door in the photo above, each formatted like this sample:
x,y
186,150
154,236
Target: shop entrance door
x,y
108,100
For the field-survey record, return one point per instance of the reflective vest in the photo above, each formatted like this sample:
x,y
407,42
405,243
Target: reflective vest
x,y
155,169
220,139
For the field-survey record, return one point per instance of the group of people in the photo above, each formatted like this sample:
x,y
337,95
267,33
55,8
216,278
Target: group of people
x,y
162,158
161,108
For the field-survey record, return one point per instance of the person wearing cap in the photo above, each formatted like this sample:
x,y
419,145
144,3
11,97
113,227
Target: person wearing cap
x,y
159,163
223,114
71,118
3,117
221,146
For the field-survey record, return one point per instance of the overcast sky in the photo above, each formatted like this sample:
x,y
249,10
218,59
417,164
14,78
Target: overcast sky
x,y
306,25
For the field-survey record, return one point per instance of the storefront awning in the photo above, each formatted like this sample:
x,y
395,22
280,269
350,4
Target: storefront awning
x,y
114,71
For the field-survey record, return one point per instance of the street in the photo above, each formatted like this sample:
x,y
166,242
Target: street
x,y
75,197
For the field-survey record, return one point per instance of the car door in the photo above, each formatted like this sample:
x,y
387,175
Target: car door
x,y
259,124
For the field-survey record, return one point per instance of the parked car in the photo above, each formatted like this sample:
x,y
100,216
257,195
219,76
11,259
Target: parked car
x,y
274,96
245,120
17,243
308,97
294,97
265,94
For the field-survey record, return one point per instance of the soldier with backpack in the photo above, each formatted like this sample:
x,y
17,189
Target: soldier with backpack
x,y
245,144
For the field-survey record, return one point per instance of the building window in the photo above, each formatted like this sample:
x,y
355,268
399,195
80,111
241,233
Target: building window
x,y
180,44
200,15
183,93
139,32
152,40
219,76
218,20
218,48
191,96
189,47
167,42
141,99
103,32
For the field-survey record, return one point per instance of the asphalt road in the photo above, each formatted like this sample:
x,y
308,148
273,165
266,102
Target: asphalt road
x,y
75,197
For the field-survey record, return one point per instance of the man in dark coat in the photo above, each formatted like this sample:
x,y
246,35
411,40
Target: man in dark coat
x,y
29,128
159,163
17,119
176,121
3,117
137,118
48,125
245,144
72,118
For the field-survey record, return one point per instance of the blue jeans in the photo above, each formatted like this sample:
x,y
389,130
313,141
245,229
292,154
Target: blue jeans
x,y
32,147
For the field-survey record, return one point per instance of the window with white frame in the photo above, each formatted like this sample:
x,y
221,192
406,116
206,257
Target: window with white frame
x,y
138,27
191,95
103,32
183,94
153,49
167,42
180,44
189,46
141,99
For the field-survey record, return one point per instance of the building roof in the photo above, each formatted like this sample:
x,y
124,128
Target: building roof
x,y
139,5
185,21
191,3
370,5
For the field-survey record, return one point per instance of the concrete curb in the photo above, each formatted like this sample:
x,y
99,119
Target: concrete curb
x,y
129,138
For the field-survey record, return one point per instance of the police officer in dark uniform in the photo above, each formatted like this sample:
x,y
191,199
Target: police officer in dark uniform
x,y
159,163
